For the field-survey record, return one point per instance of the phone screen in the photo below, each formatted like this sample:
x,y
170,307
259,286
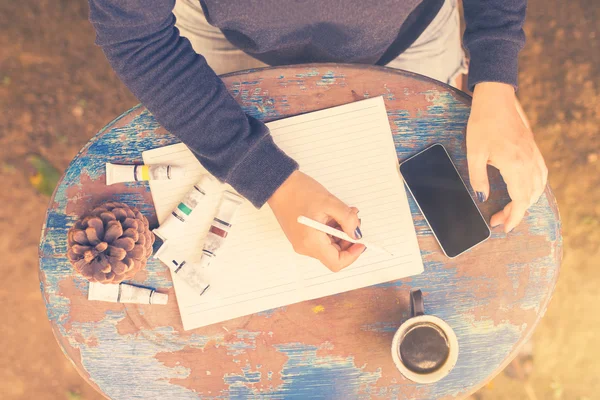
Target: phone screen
x,y
444,200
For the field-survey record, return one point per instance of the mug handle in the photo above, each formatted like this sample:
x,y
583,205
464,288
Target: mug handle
x,y
416,303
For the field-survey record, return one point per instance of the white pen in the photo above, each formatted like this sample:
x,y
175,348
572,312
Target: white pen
x,y
338,234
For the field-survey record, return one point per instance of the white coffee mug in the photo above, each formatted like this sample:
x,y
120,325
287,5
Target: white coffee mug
x,y
412,329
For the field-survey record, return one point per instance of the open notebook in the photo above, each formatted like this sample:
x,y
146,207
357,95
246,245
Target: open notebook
x,y
350,150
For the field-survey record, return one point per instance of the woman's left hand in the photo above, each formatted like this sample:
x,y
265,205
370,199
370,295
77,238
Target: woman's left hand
x,y
497,135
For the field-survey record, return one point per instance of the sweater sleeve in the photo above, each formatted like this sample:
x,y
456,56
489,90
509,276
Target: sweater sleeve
x,y
494,37
160,67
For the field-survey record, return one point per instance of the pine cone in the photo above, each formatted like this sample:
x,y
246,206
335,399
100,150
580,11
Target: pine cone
x,y
111,244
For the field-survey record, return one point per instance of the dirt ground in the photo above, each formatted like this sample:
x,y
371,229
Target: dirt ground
x,y
57,90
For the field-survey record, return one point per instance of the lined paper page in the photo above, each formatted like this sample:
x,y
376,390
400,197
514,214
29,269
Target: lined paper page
x,y
349,149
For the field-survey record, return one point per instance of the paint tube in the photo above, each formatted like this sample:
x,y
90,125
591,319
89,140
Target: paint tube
x,y
125,293
133,173
195,275
230,203
191,273
175,221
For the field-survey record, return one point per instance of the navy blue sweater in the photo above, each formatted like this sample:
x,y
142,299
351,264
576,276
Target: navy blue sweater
x,y
160,67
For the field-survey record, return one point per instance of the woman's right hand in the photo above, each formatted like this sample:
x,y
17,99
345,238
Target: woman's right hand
x,y
302,195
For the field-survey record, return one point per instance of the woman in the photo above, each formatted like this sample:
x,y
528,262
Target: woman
x,y
175,76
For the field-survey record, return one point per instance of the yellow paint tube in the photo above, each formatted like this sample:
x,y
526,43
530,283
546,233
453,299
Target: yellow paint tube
x,y
116,173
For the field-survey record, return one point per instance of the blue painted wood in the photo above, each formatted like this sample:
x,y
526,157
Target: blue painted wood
x,y
334,347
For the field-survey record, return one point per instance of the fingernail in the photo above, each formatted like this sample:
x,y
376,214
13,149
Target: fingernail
x,y
357,233
365,249
481,197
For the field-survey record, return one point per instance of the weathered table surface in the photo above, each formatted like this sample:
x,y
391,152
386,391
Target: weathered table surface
x,y
333,347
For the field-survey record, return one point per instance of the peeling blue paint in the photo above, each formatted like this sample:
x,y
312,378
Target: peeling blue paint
x,y
381,327
308,376
330,78
271,312
310,73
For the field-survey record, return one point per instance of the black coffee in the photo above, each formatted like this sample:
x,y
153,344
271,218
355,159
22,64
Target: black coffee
x,y
424,348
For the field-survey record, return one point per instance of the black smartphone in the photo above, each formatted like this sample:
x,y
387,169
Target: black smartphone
x,y
444,200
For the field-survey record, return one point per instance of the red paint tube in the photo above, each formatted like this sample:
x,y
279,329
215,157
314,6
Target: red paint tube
x,y
230,203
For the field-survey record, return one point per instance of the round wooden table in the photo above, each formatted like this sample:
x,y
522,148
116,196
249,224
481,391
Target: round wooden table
x,y
336,347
